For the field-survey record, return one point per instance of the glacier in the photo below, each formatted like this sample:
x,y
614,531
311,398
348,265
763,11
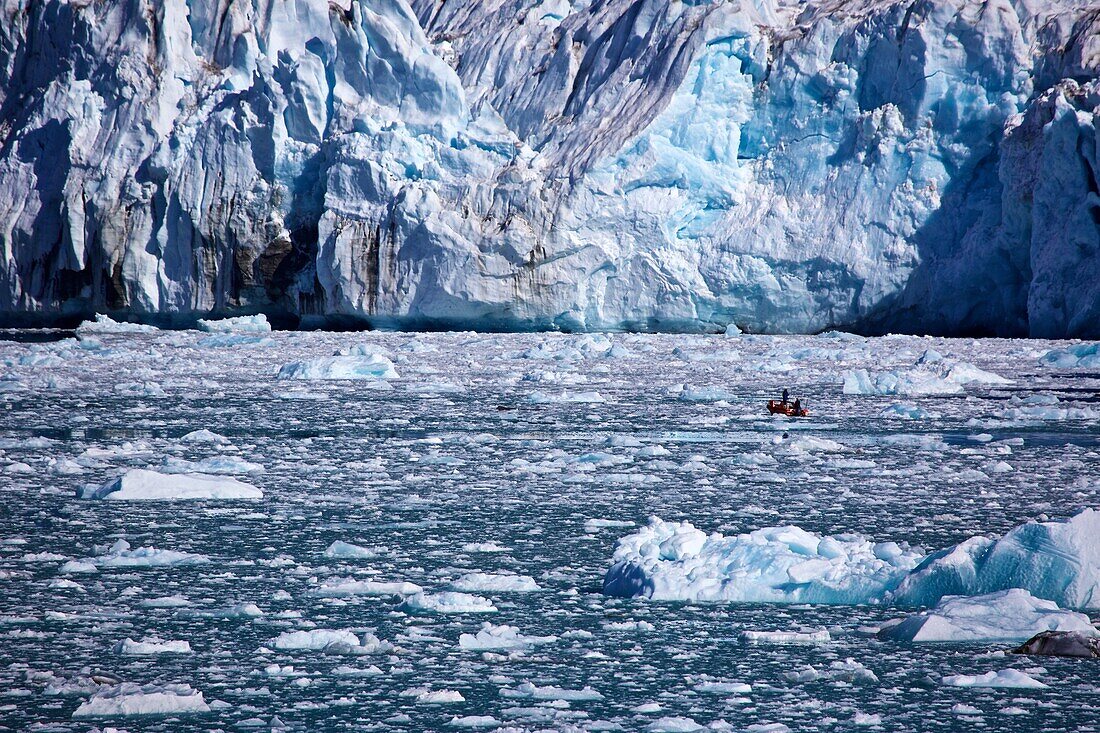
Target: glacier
x,y
763,165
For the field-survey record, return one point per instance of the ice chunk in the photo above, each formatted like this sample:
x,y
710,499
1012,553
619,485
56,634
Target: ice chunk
x,y
1085,644
315,639
130,699
675,561
500,638
106,324
372,366
1008,615
1055,560
121,556
787,637
1001,678
495,582
348,551
565,396
925,379
204,436
474,721
674,725
143,485
440,697
531,691
447,602
239,324
129,647
347,587
1079,356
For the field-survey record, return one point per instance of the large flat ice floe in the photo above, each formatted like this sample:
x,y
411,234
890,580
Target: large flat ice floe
x,y
143,485
676,561
130,699
1056,560
1008,615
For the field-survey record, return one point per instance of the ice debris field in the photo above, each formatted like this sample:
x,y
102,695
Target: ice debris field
x,y
241,529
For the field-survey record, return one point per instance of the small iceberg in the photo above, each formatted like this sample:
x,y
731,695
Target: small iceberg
x,y
130,699
1008,615
1002,678
370,366
447,602
1056,560
500,638
143,485
675,561
238,324
495,582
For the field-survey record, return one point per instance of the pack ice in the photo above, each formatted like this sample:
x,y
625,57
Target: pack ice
x,y
767,165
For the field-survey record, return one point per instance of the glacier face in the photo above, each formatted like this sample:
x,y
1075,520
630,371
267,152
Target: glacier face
x,y
782,166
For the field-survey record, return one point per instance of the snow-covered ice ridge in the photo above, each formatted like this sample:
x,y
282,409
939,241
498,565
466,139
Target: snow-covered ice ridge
x,y
779,166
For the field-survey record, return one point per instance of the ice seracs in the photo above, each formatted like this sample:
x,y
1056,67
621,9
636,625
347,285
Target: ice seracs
x,y
143,485
1008,615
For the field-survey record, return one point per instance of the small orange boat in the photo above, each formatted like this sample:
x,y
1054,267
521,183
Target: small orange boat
x,y
777,407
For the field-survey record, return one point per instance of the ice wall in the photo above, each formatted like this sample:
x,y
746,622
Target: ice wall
x,y
923,166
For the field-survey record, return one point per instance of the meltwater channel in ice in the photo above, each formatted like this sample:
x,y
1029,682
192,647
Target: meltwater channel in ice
x,y
242,529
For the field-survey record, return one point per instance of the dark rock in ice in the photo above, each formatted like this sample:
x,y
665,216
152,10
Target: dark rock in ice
x,y
1062,644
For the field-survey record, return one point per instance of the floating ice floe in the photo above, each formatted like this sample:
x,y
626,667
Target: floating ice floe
x,y
674,725
148,646
1001,678
218,465
369,366
345,587
821,636
340,641
121,556
347,551
1008,615
447,602
130,699
530,691
495,582
848,670
239,324
540,398
500,638
927,378
204,436
143,485
106,324
676,561
474,721
1082,644
1078,356
1056,560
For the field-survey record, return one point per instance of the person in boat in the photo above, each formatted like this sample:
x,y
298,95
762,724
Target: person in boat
x,y
798,407
785,397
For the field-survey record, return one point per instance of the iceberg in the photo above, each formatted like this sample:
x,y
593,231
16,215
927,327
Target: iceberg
x,y
495,583
143,485
447,602
1008,615
676,561
240,324
1057,560
1079,356
500,638
372,366
128,647
129,699
935,378
1003,678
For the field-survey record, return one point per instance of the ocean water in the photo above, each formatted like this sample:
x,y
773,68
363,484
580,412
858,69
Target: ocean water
x,y
493,454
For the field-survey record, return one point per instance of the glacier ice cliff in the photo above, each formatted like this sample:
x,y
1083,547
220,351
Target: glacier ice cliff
x,y
782,166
